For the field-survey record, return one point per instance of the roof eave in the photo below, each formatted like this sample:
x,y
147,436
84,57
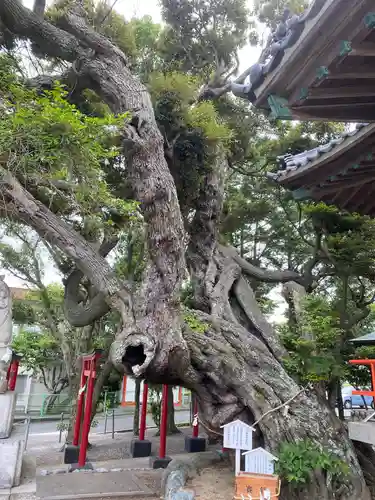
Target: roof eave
x,y
291,175
296,58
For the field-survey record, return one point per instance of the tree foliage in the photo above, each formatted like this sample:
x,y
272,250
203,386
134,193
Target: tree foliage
x,y
297,462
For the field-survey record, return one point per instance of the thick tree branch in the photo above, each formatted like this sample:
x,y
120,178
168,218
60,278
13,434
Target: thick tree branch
x,y
357,317
220,306
44,378
55,231
258,273
203,230
39,7
74,22
247,300
82,314
50,40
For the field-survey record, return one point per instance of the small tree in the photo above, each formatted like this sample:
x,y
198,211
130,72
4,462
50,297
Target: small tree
x,y
41,354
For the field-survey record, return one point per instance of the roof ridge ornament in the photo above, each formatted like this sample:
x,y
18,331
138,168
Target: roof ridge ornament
x,y
322,72
369,20
345,47
286,33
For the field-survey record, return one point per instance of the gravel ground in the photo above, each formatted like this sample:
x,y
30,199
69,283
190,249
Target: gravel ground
x,y
152,479
213,483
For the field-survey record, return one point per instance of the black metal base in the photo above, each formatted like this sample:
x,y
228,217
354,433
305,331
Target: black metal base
x,y
71,453
159,463
195,444
87,466
140,448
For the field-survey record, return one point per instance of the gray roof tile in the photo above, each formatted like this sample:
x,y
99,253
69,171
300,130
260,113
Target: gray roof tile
x,y
365,339
291,162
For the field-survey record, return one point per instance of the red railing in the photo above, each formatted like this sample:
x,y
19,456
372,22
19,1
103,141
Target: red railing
x,y
371,364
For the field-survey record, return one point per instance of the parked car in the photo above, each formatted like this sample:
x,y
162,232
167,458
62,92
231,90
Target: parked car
x,y
357,401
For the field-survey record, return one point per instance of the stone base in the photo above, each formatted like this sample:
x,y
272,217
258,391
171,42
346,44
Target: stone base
x,y
195,444
87,466
71,454
140,448
7,409
159,463
10,463
364,432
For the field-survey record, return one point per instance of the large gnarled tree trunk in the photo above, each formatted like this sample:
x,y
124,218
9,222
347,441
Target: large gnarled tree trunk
x,y
235,367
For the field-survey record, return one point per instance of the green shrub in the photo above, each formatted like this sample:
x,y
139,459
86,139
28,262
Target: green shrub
x,y
297,461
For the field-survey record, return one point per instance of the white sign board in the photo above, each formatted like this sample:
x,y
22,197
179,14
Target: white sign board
x,y
266,494
238,435
259,461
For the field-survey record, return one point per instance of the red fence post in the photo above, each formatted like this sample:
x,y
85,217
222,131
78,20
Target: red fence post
x,y
80,401
13,372
142,426
87,414
195,419
163,422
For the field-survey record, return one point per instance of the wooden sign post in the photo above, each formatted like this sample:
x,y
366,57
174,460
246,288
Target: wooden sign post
x,y
259,461
258,479
238,436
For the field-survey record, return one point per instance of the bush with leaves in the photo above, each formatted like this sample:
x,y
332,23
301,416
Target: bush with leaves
x,y
298,461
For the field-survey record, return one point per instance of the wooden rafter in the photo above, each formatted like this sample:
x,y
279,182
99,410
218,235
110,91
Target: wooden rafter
x,y
353,181
370,205
349,195
365,49
330,93
363,196
354,76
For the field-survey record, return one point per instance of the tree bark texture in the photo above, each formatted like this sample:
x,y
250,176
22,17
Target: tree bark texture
x,y
294,293
234,367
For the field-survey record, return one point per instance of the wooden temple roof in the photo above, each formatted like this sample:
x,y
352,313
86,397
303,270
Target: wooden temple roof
x,y
319,65
368,339
341,172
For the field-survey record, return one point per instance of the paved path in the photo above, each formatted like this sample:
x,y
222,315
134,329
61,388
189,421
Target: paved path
x,y
89,485
122,422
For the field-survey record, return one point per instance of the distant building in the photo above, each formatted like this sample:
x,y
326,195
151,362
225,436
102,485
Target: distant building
x,y
181,396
